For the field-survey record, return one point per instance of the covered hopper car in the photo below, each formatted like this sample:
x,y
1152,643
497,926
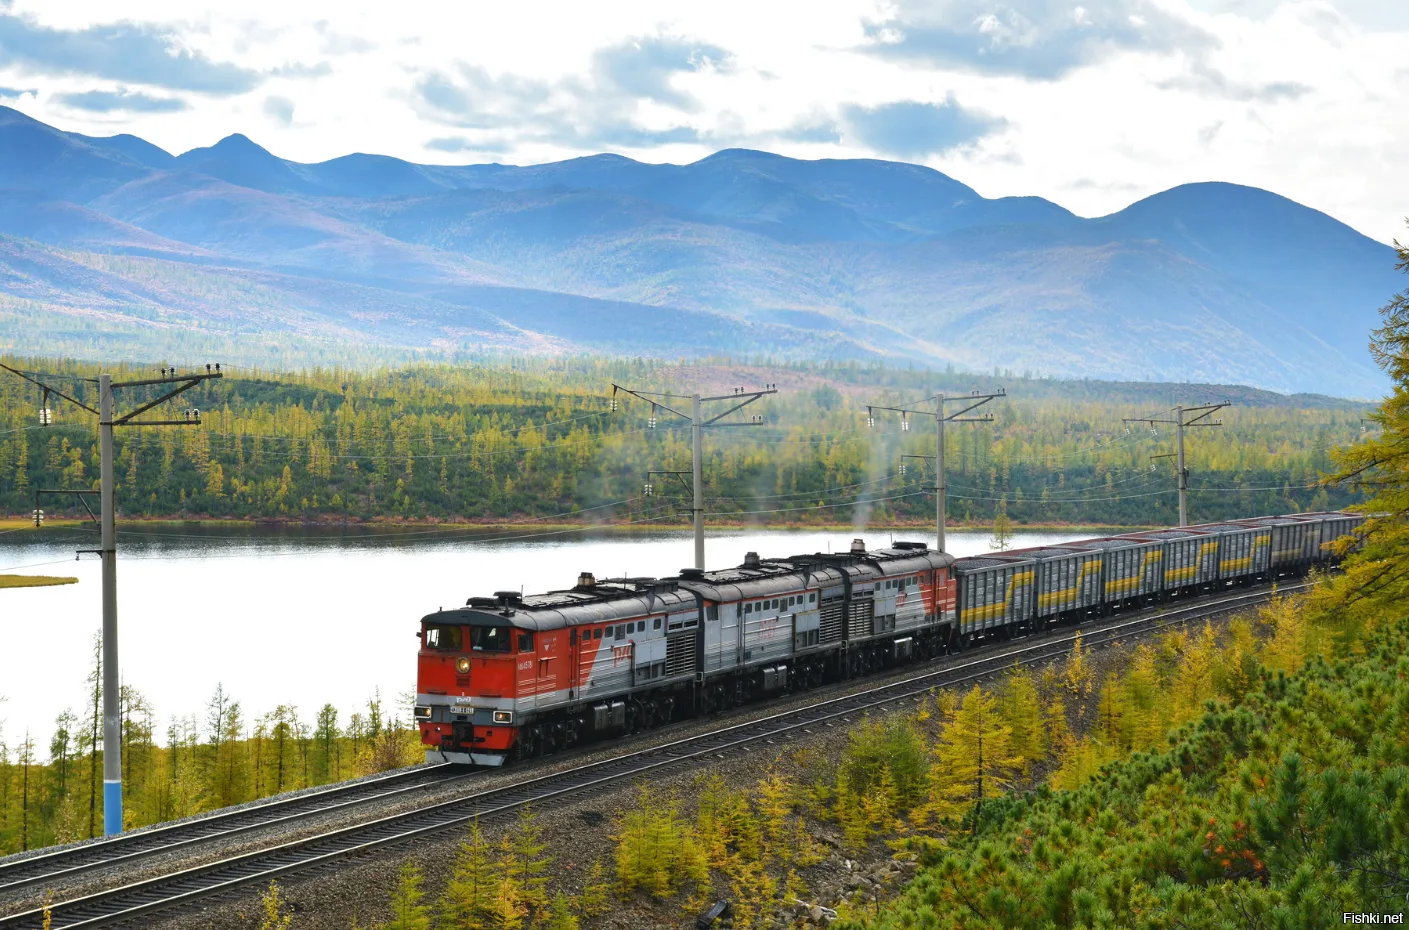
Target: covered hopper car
x,y
516,675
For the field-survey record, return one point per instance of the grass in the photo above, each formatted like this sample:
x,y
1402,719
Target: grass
x,y
19,523
33,581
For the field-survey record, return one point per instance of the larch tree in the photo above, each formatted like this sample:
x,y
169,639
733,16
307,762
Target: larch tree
x,y
469,897
1376,574
974,760
525,861
407,911
1022,712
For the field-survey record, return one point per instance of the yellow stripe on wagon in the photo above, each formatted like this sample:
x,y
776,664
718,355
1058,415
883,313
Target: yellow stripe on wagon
x,y
1132,583
1055,597
1190,572
997,608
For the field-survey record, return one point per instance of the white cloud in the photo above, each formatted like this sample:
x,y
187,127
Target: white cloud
x,y
1115,99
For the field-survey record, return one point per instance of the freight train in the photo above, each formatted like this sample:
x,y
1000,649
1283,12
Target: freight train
x,y
514,676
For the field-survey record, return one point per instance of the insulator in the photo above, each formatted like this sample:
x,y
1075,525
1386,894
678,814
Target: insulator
x,y
904,425
39,518
651,423
870,421
613,407
902,468
46,416
649,492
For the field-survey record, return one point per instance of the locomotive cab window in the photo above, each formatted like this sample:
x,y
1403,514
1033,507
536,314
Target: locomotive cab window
x,y
490,638
525,642
443,637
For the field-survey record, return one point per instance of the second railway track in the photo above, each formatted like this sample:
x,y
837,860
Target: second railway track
x,y
143,899
47,868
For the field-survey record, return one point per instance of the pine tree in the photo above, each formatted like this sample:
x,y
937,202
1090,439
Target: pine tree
x,y
407,911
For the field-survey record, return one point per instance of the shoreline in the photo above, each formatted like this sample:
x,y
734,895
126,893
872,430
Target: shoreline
x,y
21,523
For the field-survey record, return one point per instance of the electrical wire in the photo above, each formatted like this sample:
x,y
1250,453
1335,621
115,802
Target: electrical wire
x,y
11,568
866,500
819,491
1076,500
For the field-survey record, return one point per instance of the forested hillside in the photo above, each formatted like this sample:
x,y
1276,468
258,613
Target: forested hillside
x,y
538,440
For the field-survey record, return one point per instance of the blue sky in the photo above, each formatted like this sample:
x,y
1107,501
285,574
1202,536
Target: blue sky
x,y
1092,104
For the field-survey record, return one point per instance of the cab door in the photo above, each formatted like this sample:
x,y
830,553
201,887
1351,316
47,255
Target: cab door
x,y
551,664
525,670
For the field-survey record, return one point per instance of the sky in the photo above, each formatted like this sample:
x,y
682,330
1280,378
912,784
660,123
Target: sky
x,y
1092,104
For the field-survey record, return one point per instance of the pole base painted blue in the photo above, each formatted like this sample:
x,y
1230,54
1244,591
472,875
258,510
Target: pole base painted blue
x,y
112,807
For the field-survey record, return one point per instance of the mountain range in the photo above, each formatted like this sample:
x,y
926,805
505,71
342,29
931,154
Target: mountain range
x,y
117,243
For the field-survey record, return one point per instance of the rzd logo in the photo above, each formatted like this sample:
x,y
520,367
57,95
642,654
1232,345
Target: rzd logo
x,y
621,654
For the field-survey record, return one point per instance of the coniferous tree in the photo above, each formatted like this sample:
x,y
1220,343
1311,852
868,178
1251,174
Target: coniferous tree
x,y
1376,574
595,890
561,917
469,896
1022,712
974,760
407,911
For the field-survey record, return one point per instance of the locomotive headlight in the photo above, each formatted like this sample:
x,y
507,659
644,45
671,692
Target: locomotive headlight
x,y
503,716
462,665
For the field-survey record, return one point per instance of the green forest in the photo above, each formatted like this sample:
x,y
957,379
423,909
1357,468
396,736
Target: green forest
x,y
540,440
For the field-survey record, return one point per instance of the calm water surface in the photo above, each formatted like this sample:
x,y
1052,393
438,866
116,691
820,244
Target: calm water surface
x,y
308,617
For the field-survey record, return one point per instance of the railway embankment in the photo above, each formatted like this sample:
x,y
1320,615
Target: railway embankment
x,y
582,828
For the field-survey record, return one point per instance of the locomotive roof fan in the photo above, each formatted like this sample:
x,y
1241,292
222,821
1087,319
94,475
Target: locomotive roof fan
x,y
858,546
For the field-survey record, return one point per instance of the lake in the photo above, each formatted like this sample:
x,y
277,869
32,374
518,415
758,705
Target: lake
x,y
309,616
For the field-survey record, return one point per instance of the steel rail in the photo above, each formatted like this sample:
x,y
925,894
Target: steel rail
x,y
142,899
126,848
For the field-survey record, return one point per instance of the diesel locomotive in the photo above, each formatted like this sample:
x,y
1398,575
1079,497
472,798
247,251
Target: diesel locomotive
x,y
514,675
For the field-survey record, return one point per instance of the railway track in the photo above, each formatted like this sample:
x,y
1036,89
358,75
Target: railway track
x,y
188,887
128,848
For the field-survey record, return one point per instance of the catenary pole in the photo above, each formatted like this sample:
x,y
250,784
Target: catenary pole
x,y
939,482
1183,472
699,422
108,418
112,714
697,470
967,402
1181,418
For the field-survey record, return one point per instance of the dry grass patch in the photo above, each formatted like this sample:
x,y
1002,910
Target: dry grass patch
x,y
33,581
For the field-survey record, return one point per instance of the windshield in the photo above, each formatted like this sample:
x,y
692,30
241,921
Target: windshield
x,y
443,637
490,638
